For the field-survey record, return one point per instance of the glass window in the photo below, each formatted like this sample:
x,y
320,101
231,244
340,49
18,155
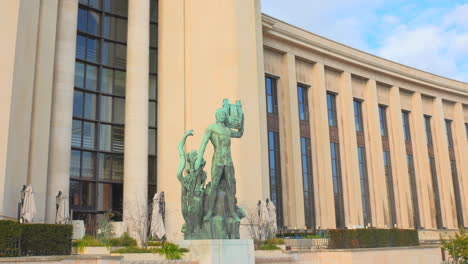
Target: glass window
x,y
307,178
152,141
120,56
109,27
331,106
406,125
106,80
106,108
153,82
79,75
303,103
414,188
87,164
80,47
105,137
358,115
121,29
118,7
90,106
87,195
271,93
383,120
364,185
82,19
435,188
105,163
154,11
117,168
456,191
92,50
153,57
108,53
119,110
94,21
78,103
151,170
76,133
119,83
390,189
75,163
75,194
466,128
89,132
118,138
427,125
91,77
337,185
448,127
275,173
153,35
152,114
104,197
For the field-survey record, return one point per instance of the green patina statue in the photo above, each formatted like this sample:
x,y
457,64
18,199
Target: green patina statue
x,y
211,211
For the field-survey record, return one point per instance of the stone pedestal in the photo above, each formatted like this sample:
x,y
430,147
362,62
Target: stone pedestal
x,y
78,229
220,251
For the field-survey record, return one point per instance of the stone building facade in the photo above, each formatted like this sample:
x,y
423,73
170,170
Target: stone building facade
x,y
95,95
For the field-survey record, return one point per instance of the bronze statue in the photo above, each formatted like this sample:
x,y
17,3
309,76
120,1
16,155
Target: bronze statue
x,y
211,211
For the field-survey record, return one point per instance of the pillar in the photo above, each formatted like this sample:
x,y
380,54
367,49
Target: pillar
x,y
208,51
291,164
421,162
320,139
62,105
461,154
348,153
444,173
399,163
376,170
136,118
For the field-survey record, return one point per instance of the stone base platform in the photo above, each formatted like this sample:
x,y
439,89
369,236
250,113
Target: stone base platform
x,y
220,251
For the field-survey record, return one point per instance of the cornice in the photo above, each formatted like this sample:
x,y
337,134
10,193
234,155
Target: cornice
x,y
289,33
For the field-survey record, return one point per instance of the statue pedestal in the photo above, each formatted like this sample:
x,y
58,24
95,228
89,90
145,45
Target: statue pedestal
x,y
220,251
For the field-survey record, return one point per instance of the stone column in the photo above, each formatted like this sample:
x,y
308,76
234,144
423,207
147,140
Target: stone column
x,y
374,155
421,161
62,105
323,181
348,153
461,154
444,173
136,117
399,162
293,192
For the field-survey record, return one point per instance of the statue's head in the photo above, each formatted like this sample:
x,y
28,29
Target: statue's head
x,y
221,115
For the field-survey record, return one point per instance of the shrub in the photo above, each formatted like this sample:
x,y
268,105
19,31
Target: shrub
x,y
46,239
269,246
154,243
87,241
457,246
132,250
171,251
10,235
123,241
371,238
275,241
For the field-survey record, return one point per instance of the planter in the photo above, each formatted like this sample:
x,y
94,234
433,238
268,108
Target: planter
x,y
91,251
306,243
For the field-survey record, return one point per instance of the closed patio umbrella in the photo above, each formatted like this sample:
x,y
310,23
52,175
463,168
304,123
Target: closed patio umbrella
x,y
28,210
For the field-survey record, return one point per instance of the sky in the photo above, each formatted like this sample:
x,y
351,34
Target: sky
x,y
430,35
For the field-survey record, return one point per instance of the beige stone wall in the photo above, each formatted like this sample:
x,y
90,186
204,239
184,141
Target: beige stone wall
x,y
354,74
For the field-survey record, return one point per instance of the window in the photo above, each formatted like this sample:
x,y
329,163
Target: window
x,y
414,194
337,185
406,125
153,103
271,94
331,106
456,191
308,182
364,186
390,189
303,103
466,128
275,173
383,120
358,115
448,128
435,188
427,125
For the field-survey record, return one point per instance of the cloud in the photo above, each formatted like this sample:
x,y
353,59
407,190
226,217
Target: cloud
x,y
426,35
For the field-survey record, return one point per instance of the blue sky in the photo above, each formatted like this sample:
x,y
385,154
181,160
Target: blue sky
x,y
431,35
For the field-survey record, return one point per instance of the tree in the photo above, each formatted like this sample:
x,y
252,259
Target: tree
x,y
457,246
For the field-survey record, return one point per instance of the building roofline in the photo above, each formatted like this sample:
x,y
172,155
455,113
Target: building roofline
x,y
285,30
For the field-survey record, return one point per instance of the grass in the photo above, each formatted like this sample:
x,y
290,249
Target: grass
x,y
133,250
87,241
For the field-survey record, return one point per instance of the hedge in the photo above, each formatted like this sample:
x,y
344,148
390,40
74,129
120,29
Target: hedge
x,y
372,238
34,239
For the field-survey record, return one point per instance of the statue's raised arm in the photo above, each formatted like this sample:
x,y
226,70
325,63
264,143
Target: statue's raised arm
x,y
182,155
